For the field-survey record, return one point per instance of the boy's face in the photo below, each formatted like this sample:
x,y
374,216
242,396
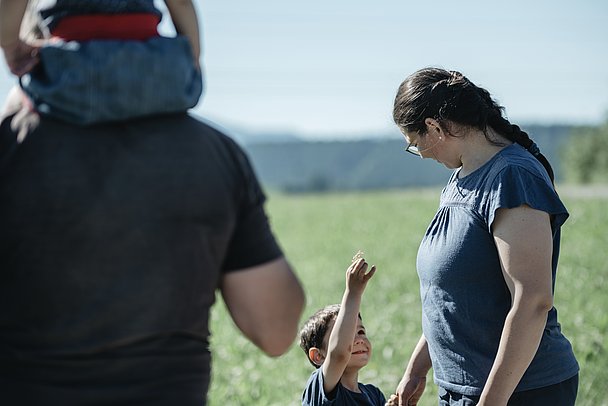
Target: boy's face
x,y
362,347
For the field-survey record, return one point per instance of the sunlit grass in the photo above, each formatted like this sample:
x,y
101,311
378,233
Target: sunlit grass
x,y
320,233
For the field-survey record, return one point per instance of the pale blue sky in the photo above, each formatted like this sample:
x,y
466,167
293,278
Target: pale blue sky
x,y
330,68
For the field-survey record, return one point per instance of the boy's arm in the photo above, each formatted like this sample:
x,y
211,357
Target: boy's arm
x,y
342,335
184,18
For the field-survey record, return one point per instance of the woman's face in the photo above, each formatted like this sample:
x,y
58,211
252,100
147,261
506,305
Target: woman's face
x,y
436,144
422,145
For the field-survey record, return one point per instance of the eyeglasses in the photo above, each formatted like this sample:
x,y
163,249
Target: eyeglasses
x,y
413,149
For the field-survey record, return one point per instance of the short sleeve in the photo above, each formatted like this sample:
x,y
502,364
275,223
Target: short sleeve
x,y
515,186
314,394
252,242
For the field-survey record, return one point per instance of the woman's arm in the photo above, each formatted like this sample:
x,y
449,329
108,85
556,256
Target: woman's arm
x,y
412,384
523,238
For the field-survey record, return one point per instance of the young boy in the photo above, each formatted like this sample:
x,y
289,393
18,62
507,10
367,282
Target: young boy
x,y
136,71
335,343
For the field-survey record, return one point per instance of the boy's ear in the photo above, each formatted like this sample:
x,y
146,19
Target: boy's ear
x,y
316,356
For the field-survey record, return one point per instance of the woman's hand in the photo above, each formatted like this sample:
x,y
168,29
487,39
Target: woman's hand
x,y
412,384
393,400
410,390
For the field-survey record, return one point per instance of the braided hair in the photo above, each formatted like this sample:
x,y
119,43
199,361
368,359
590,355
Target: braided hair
x,y
449,95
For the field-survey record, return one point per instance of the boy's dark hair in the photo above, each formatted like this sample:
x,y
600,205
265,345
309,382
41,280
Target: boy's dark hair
x,y
315,328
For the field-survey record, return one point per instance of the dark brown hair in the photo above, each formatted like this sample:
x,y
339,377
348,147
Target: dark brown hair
x,y
449,95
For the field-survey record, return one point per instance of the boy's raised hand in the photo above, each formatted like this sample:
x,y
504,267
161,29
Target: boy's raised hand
x,y
357,275
343,332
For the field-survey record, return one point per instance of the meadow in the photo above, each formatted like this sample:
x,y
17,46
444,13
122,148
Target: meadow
x,y
320,233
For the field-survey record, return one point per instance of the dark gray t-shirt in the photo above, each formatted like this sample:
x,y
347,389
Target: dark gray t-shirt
x,y
464,295
113,242
314,394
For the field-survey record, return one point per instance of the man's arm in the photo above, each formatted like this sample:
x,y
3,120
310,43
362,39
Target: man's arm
x,y
265,302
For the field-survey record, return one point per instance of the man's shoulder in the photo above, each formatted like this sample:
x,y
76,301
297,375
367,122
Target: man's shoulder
x,y
171,127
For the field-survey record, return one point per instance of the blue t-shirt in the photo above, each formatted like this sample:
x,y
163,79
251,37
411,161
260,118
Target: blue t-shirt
x,y
465,299
314,395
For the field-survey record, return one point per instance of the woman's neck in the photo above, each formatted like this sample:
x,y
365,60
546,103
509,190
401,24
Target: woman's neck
x,y
478,150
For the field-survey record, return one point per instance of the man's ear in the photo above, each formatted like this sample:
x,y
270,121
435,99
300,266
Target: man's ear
x,y
316,356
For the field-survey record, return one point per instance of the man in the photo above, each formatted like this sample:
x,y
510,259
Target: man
x,y
114,239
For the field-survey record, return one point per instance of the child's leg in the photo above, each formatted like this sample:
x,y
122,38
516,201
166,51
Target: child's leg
x,y
99,81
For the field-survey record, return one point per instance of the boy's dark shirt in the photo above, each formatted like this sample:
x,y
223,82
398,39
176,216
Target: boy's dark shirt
x,y
314,394
113,240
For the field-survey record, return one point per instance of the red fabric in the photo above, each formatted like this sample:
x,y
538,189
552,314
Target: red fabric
x,y
134,26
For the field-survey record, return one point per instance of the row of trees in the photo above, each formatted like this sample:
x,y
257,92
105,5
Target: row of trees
x,y
585,156
578,155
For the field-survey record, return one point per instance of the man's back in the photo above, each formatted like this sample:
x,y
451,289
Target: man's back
x,y
113,241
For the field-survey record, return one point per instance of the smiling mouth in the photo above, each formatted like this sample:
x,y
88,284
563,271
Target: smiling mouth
x,y
360,352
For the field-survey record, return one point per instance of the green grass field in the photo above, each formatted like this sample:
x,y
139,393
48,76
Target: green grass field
x,y
320,233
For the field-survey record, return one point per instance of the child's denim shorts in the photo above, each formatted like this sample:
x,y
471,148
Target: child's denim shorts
x,y
110,80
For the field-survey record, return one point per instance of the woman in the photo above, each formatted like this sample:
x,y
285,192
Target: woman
x,y
488,259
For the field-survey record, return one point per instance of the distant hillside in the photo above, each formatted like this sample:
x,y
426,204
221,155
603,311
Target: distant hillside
x,y
376,163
